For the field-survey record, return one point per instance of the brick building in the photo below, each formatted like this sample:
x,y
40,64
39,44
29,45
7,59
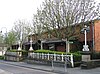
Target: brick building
x,y
97,35
51,42
93,38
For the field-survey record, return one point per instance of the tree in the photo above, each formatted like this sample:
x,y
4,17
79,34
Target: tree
x,y
21,29
1,38
11,38
57,14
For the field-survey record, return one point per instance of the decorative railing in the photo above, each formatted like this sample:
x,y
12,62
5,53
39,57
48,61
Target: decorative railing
x,y
52,57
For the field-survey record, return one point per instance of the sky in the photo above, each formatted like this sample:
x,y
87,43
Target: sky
x,y
13,10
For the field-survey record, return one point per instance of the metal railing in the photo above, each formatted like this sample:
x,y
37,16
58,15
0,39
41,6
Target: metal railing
x,y
52,57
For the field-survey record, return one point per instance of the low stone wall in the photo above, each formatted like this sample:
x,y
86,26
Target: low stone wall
x,y
90,64
13,56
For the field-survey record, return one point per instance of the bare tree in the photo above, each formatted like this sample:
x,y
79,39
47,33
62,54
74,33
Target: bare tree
x,y
22,28
58,14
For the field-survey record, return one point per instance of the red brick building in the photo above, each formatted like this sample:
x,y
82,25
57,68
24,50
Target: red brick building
x,y
97,35
93,38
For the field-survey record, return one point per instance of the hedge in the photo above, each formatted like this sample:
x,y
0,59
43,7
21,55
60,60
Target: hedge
x,y
48,51
95,55
77,55
1,57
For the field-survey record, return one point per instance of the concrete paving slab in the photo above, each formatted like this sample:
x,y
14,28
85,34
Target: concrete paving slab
x,y
4,72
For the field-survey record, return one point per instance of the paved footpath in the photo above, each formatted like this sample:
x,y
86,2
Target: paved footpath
x,y
59,70
4,72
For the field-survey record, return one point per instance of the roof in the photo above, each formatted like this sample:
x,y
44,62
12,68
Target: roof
x,y
53,41
27,43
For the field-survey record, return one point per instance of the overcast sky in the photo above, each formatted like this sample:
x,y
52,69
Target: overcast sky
x,y
12,10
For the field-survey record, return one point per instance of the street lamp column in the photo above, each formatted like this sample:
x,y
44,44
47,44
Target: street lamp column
x,y
85,38
85,46
19,48
31,48
85,50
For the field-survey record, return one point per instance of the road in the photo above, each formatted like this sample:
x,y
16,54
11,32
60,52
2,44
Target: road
x,y
18,68
21,70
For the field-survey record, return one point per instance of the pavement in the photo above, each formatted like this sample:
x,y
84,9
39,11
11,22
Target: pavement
x,y
59,70
31,66
4,72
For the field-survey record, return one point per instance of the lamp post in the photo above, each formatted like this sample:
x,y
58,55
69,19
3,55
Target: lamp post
x,y
85,51
20,40
85,30
31,48
19,48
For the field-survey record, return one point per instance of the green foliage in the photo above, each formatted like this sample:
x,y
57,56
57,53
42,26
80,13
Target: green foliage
x,y
43,51
95,55
1,57
77,55
10,38
48,51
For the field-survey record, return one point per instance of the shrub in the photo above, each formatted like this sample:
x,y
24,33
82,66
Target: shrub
x,y
1,57
48,51
42,51
95,55
77,55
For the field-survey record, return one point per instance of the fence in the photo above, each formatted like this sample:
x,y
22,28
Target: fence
x,y
53,57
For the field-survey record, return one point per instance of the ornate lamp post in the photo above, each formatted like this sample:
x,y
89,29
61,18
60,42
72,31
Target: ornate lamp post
x,y
20,40
19,48
31,48
85,50
85,30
